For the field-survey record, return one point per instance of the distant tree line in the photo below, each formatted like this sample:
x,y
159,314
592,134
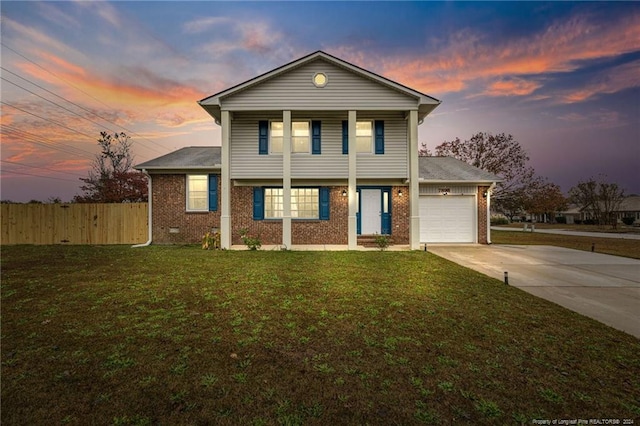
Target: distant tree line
x,y
522,191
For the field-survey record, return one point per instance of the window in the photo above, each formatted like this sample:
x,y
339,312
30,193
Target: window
x,y
202,193
304,203
277,136
364,136
197,193
300,136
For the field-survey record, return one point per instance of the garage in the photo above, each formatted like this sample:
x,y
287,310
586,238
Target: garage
x,y
447,219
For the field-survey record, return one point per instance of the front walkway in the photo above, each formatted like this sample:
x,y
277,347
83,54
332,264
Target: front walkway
x,y
600,286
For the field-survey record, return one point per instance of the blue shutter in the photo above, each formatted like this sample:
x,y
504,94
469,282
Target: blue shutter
x,y
258,203
324,203
379,135
315,137
213,193
345,137
263,137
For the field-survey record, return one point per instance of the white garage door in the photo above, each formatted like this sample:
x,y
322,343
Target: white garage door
x,y
447,219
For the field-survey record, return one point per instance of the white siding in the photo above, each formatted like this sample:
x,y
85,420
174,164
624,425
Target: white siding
x,y
295,90
246,163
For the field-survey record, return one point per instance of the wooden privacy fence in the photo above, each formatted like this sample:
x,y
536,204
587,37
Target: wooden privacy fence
x,y
74,223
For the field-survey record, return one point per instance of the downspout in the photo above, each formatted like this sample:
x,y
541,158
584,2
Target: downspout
x,y
150,197
493,185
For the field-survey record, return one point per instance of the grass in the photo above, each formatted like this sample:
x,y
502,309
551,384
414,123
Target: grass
x,y
178,335
620,229
615,246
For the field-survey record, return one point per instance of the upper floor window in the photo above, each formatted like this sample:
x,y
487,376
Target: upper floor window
x,y
300,136
364,136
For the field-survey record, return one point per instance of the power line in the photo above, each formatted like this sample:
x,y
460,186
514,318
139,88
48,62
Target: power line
x,y
40,176
78,89
67,100
33,138
46,119
40,168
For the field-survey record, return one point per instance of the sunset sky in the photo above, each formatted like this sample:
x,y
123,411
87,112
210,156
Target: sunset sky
x,y
562,77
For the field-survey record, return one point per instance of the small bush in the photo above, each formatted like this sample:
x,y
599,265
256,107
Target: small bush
x,y
211,240
499,220
561,220
252,243
382,241
628,220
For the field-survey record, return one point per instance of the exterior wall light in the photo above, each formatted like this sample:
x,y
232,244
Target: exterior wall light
x,y
344,192
399,192
484,194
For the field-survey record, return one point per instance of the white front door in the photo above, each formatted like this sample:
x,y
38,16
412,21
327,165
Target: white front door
x,y
370,203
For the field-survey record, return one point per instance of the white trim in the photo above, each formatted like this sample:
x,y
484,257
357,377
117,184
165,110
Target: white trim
x,y
414,185
352,227
286,177
150,213
297,120
225,183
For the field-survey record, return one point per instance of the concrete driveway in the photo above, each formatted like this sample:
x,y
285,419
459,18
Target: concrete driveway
x,y
600,286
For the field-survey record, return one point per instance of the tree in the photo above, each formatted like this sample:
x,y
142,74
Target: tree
x,y
111,178
501,155
544,198
599,199
423,151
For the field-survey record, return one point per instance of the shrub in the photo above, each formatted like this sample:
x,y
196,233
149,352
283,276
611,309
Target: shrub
x,y
499,220
211,240
382,241
252,243
628,220
561,219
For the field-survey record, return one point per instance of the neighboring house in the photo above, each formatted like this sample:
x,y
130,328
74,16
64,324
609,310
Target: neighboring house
x,y
318,152
629,208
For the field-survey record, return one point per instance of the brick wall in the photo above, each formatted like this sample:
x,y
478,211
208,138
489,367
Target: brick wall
x,y
400,215
169,211
482,215
332,231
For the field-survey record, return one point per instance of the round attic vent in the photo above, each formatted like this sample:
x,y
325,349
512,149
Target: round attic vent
x,y
320,79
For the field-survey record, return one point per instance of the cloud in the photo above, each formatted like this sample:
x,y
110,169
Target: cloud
x,y
204,24
611,81
472,61
512,87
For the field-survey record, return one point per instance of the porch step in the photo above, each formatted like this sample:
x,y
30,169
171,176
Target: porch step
x,y
370,240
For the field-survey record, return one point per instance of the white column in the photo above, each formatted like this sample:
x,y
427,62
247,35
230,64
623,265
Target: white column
x,y
286,179
225,183
414,188
353,206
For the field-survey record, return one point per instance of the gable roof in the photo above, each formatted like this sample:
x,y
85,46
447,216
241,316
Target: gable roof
x,y
449,169
426,103
189,158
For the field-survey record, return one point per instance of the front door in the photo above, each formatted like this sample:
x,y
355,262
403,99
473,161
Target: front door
x,y
370,211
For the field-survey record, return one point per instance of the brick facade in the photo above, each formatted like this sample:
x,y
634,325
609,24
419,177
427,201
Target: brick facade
x,y
482,215
169,212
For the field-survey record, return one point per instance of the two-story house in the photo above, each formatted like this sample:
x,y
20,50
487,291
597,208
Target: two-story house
x,y
317,152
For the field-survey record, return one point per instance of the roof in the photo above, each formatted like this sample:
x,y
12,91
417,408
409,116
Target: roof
x,y
212,103
630,204
449,169
192,157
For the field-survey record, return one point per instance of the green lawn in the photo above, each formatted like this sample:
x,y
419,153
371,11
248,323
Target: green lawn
x,y
614,246
179,335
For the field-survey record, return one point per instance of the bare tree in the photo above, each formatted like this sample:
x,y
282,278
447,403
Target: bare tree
x,y
111,178
599,199
499,154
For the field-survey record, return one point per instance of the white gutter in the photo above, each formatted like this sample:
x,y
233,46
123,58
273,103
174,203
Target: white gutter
x,y
150,220
493,185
